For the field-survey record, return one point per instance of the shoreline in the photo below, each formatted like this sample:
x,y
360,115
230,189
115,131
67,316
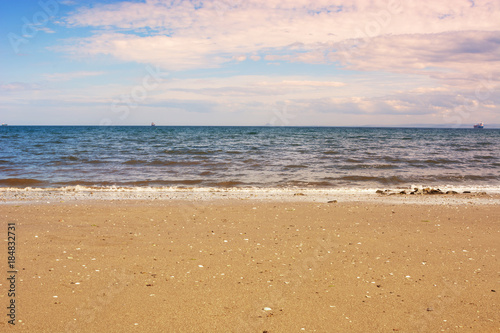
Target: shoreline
x,y
204,194
238,265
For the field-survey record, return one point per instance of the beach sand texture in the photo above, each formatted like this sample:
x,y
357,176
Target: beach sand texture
x,y
254,266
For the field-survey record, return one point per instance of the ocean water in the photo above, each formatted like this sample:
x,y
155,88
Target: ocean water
x,y
263,157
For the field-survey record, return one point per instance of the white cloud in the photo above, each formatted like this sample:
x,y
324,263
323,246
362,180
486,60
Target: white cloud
x,y
183,34
18,86
313,83
466,55
45,29
240,58
70,75
434,55
256,100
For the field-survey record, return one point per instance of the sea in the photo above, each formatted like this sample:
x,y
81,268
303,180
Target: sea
x,y
248,157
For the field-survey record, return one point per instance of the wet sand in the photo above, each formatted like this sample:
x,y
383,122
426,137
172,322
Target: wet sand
x,y
254,266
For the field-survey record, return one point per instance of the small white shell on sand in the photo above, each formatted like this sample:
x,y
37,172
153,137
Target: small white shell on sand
x,y
267,309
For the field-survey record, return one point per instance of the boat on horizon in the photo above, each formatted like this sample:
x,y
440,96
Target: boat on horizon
x,y
153,124
480,125
4,124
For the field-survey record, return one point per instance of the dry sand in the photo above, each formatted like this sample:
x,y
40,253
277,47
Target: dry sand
x,y
254,266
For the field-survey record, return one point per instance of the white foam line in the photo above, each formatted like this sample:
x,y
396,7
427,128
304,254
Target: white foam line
x,y
494,189
77,193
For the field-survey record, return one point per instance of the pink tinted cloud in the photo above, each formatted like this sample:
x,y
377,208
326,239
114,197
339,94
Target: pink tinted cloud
x,y
454,44
209,33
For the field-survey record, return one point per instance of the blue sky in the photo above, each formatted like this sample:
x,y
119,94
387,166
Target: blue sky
x,y
255,62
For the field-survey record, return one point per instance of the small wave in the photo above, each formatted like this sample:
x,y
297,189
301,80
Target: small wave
x,y
296,166
190,152
188,181
331,152
308,183
134,162
226,184
441,161
140,183
468,178
393,159
7,168
367,166
87,183
166,163
381,180
359,178
383,166
484,157
21,182
160,163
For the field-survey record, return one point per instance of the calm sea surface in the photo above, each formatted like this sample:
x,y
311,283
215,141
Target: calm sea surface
x,y
56,156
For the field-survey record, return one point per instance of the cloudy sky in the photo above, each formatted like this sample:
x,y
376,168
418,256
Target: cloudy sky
x,y
250,62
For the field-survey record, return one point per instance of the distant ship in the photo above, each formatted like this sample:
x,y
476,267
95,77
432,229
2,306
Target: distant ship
x,y
153,124
4,124
480,125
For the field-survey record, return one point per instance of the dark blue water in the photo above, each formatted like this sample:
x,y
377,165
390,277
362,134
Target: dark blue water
x,y
55,156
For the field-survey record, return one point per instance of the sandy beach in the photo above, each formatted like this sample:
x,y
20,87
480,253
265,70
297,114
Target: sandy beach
x,y
225,166
254,266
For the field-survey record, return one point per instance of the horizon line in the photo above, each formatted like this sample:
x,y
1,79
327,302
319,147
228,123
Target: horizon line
x,y
443,126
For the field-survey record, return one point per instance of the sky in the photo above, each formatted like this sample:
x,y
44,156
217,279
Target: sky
x,y
250,62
